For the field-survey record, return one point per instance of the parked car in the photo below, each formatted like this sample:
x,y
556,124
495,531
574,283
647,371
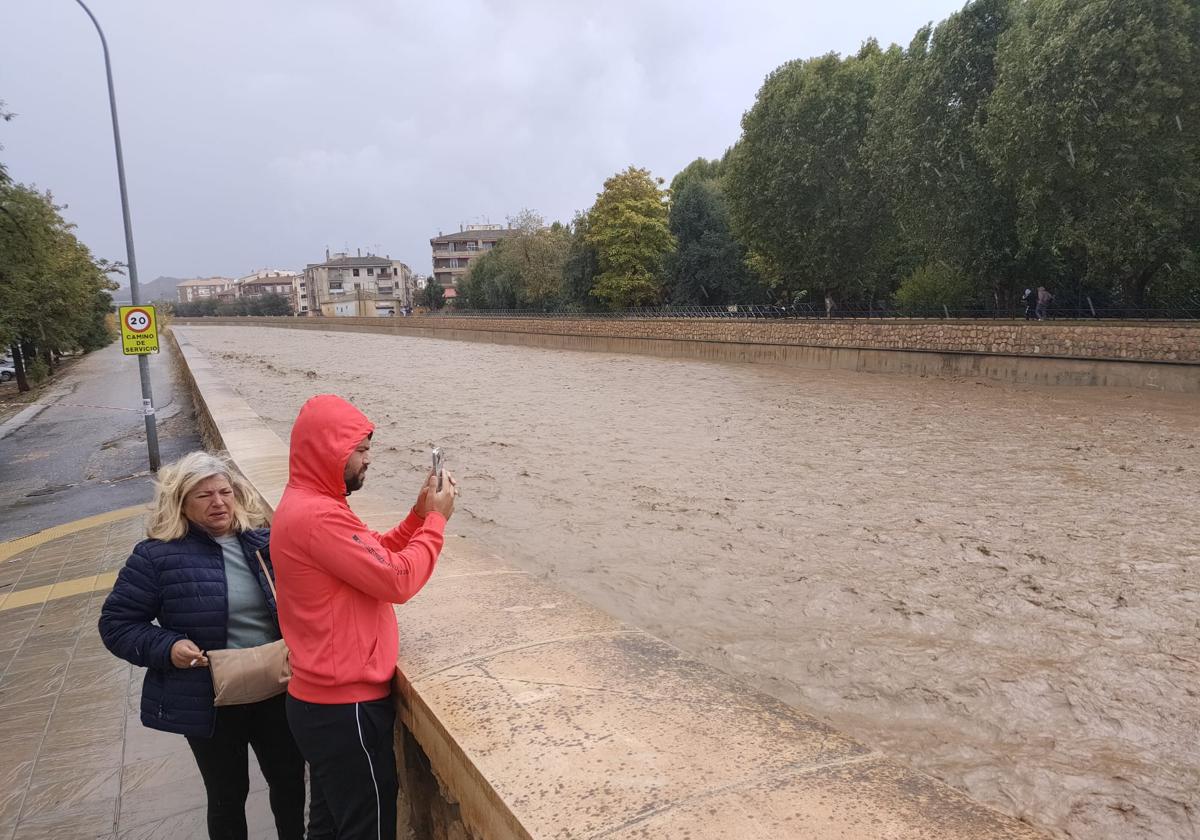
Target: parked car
x,y
7,371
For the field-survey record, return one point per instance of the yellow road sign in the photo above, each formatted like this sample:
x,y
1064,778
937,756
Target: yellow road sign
x,y
139,330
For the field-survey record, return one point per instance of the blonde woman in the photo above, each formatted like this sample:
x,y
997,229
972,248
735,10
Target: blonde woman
x,y
196,585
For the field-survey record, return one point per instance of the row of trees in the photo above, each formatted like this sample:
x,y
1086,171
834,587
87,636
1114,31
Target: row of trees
x,y
272,304
1018,143
54,294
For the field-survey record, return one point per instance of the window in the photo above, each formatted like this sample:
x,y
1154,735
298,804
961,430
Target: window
x,y
395,271
370,272
357,286
335,285
356,272
472,246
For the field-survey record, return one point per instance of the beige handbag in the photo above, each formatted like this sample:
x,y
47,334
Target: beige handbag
x,y
248,675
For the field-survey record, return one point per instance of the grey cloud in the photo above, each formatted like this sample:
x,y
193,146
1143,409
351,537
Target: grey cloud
x,y
258,133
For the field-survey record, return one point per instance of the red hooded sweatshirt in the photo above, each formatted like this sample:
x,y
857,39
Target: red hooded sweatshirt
x,y
336,578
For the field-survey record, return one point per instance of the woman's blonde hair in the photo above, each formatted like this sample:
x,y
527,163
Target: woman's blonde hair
x,y
167,520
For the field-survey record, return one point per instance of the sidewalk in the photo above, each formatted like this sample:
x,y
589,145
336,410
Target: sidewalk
x,y
76,761
80,448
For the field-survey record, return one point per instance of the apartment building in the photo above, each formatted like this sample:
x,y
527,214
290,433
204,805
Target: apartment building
x,y
286,284
452,252
203,288
361,286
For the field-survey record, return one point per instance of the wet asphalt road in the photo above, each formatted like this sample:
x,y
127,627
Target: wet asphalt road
x,y
86,453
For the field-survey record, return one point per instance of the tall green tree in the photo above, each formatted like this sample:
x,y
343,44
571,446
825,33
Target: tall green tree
x,y
581,268
701,169
800,184
490,283
534,258
628,228
433,296
927,153
708,267
1095,125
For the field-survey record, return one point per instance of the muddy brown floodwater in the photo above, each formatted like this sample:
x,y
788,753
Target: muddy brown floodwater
x,y
996,583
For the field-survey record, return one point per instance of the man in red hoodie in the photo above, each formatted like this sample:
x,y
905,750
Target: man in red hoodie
x,y
337,581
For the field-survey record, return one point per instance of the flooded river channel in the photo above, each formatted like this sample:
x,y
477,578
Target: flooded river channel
x,y
995,583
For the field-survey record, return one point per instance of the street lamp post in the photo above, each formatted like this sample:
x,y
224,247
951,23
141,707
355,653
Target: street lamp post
x,y
131,260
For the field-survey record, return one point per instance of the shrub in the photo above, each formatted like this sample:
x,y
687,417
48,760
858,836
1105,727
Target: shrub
x,y
37,371
930,288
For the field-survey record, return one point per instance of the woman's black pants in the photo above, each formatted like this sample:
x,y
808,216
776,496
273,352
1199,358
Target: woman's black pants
x,y
224,764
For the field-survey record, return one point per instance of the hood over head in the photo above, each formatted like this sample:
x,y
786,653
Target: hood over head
x,y
325,433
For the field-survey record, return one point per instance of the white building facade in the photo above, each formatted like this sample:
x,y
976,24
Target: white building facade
x,y
359,286
287,284
203,288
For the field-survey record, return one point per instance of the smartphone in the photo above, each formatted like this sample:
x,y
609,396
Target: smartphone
x,y
437,466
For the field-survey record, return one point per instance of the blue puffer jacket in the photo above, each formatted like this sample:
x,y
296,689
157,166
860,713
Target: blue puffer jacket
x,y
180,585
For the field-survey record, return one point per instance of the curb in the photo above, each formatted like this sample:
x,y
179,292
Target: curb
x,y
18,421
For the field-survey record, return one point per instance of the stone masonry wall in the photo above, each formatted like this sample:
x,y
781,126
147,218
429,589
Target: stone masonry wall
x,y
1103,340
1168,342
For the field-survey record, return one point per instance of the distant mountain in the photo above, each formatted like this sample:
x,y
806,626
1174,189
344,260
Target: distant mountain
x,y
162,288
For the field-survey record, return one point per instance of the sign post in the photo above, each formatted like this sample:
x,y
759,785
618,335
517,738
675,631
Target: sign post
x,y
130,258
139,330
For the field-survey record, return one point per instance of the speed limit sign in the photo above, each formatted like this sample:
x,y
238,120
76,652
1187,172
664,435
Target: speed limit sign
x,y
139,330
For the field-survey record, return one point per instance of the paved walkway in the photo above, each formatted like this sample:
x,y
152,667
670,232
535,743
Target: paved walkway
x,y
81,449
75,760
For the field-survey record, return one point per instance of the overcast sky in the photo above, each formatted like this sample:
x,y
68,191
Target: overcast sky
x,y
258,132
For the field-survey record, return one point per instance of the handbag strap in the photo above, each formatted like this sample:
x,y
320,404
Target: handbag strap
x,y
267,574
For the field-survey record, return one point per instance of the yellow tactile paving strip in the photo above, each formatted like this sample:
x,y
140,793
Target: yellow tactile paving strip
x,y
51,592
37,566
15,547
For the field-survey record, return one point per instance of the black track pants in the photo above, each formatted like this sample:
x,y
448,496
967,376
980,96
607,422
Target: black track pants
x,y
351,759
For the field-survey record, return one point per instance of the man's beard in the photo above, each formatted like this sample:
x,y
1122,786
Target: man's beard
x,y
355,482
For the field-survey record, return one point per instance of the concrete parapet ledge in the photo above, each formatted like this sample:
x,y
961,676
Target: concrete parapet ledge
x,y
543,717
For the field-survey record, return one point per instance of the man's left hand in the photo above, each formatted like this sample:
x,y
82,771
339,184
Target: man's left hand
x,y
428,489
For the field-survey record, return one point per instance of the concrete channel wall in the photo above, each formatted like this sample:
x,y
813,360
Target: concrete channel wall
x,y
526,713
1162,357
